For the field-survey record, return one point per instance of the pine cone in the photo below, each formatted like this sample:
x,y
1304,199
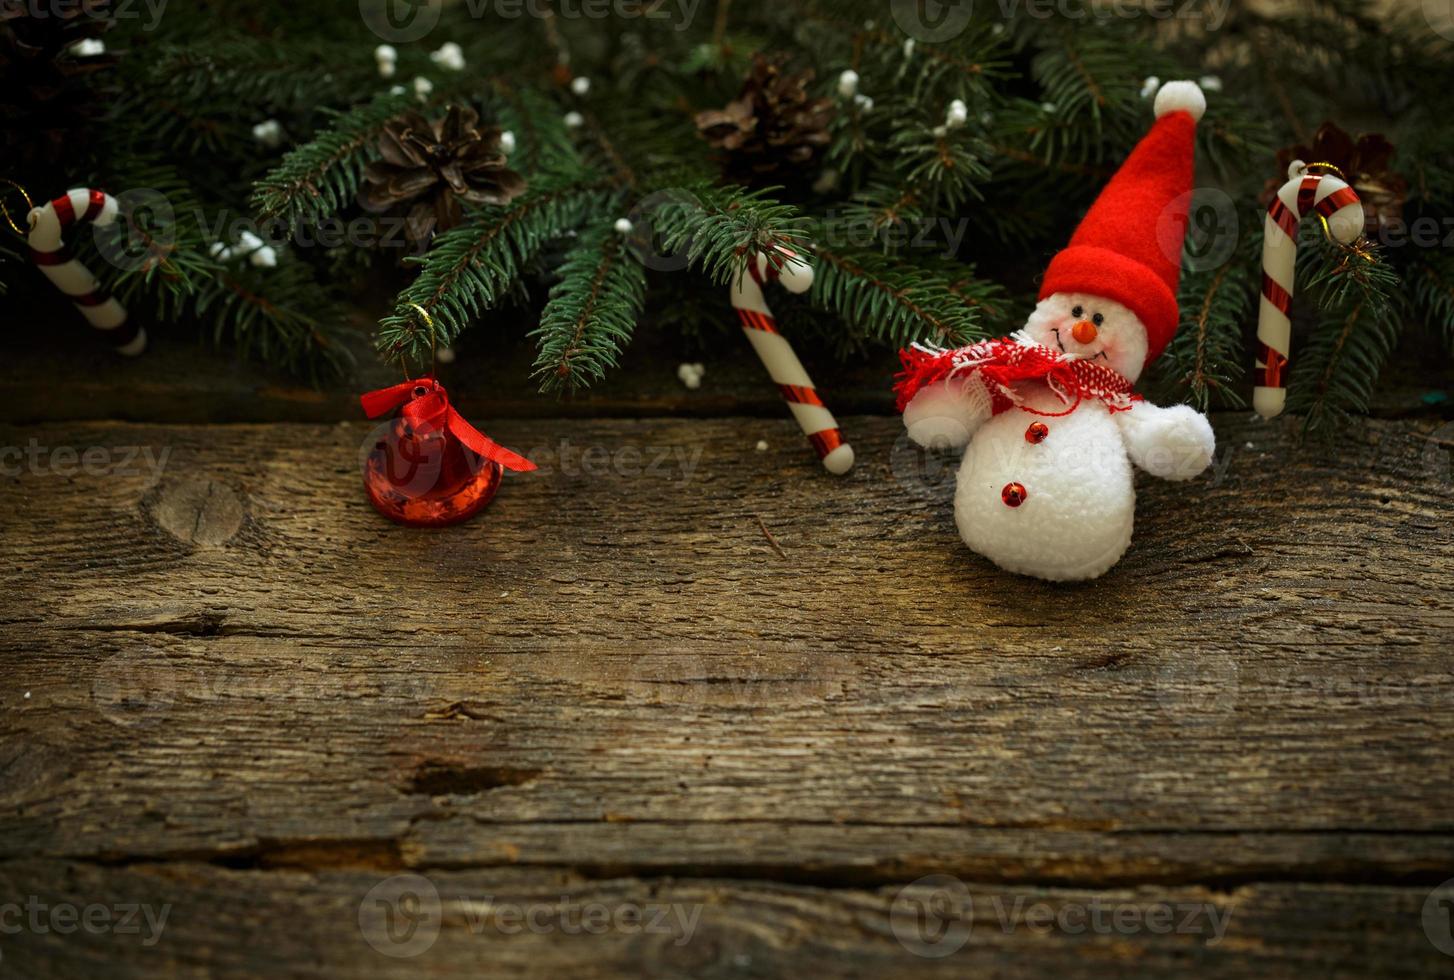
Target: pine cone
x,y
49,99
1366,164
773,131
433,167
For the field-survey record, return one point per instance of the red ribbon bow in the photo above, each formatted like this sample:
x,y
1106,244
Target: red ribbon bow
x,y
426,407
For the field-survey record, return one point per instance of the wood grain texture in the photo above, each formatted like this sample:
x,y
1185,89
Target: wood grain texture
x,y
504,922
229,685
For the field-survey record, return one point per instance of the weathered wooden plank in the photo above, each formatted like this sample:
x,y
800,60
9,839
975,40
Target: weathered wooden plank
x,y
232,689
202,921
213,751
237,661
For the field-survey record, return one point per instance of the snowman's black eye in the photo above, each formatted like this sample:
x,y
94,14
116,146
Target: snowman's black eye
x,y
1098,319
1076,311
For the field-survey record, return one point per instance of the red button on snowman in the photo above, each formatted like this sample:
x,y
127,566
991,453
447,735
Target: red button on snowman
x,y
1056,500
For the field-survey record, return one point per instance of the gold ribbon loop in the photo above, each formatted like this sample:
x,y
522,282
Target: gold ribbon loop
x,y
29,206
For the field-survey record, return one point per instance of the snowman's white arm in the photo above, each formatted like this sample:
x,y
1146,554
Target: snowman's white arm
x,y
945,414
1172,443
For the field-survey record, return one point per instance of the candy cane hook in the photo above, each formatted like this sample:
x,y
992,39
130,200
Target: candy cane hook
x,y
56,259
1338,205
777,355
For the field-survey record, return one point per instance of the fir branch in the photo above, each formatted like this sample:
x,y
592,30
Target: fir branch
x,y
719,23
236,74
894,302
158,245
950,60
1339,274
1060,139
320,178
1071,75
941,169
1235,139
730,59
278,316
716,228
1431,286
1205,357
1206,353
158,260
591,311
624,175
544,143
1077,169
1054,106
1344,357
1201,379
988,298
470,269
275,316
1335,375
259,314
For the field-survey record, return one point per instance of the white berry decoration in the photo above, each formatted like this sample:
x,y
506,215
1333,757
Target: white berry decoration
x,y
450,57
269,134
387,59
691,375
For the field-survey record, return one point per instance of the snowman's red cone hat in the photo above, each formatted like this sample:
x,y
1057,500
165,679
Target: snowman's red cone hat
x,y
1128,246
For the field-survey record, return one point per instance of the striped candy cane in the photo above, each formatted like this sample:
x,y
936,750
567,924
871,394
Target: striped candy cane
x,y
1337,204
778,357
56,259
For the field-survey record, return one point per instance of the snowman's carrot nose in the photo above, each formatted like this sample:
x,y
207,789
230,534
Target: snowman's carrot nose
x,y
1084,331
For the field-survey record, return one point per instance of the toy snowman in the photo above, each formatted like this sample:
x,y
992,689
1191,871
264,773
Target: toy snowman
x,y
1049,416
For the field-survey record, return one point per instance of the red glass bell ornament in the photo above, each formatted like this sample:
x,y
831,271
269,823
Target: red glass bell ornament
x,y
428,467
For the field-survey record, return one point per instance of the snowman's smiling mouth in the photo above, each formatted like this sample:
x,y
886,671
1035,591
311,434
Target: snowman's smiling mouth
x,y
1056,331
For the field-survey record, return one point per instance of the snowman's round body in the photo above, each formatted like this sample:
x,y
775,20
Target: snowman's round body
x,y
1074,518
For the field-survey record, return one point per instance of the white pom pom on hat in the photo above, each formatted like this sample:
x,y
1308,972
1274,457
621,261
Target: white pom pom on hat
x,y
1184,96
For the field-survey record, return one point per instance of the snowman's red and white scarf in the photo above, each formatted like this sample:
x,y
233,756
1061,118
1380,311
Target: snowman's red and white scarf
x,y
1004,363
